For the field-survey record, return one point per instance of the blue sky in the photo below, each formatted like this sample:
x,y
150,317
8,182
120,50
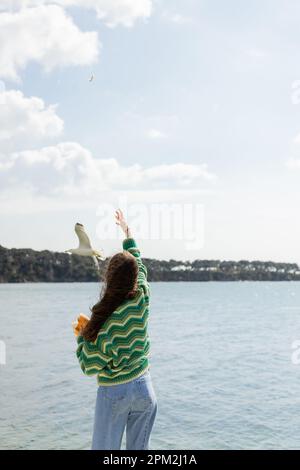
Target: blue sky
x,y
203,84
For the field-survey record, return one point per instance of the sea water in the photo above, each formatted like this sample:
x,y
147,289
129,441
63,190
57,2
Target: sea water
x,y
222,365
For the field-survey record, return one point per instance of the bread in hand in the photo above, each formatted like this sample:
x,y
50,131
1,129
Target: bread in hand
x,y
81,322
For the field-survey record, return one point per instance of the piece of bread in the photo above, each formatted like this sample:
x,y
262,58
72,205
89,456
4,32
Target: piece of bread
x,y
83,319
81,322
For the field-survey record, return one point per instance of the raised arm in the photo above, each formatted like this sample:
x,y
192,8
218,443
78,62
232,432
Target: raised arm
x,y
129,244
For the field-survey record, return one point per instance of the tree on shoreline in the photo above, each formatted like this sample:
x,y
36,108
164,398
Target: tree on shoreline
x,y
26,265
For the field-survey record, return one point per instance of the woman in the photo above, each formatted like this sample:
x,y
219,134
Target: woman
x,y
114,345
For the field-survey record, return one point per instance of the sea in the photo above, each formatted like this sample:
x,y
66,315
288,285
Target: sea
x,y
224,362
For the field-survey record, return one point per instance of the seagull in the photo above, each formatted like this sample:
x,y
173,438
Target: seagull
x,y
85,247
91,77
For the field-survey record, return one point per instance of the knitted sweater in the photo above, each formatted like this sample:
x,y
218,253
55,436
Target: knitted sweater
x,y
120,352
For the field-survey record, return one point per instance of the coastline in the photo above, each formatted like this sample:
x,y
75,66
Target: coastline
x,y
22,265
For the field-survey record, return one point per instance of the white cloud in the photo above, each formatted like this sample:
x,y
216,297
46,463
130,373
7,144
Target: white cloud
x,y
176,18
293,163
25,119
179,174
297,140
44,34
124,12
69,169
155,134
112,12
256,53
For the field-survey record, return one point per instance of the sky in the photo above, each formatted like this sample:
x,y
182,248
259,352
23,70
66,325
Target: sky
x,y
186,114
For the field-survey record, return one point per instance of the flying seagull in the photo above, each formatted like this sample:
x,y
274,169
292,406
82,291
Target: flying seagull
x,y
91,77
85,247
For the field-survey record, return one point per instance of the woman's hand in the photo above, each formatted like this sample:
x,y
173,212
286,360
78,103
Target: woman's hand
x,y
120,220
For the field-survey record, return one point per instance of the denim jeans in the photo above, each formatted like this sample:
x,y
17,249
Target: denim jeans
x,y
132,405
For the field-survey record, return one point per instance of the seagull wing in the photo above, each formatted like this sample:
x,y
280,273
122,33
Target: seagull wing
x,y
84,241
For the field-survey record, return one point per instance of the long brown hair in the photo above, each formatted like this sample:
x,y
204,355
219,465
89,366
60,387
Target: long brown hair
x,y
120,284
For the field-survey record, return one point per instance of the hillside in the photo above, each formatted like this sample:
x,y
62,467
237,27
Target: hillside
x,y
26,265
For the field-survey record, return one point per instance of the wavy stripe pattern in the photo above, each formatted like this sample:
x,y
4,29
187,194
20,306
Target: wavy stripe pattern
x,y
121,350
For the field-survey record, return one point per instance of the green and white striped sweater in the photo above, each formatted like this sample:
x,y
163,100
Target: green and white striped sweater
x,y
120,352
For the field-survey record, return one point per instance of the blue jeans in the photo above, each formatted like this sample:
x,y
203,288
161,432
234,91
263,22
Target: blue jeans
x,y
132,405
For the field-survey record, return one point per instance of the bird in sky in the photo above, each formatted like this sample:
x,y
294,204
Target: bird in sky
x,y
91,77
85,247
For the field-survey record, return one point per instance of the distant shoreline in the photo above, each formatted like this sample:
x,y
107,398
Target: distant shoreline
x,y
30,266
